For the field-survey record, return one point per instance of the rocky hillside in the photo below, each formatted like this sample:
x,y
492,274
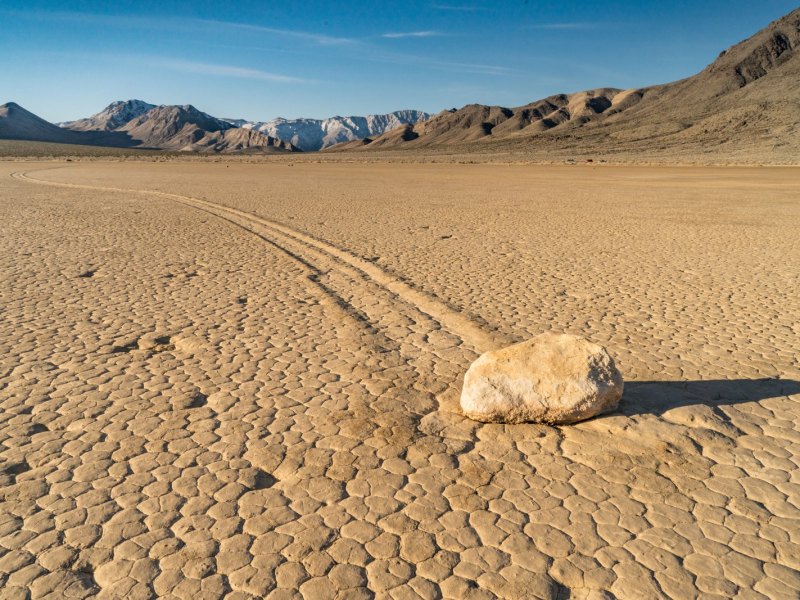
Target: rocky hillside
x,y
746,101
230,140
745,106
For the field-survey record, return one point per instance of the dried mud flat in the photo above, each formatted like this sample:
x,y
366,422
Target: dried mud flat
x,y
243,383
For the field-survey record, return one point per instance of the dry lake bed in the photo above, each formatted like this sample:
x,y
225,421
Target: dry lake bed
x,y
227,380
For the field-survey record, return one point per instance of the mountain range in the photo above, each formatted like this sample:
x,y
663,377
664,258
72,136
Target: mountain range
x,y
137,124
318,134
302,134
745,103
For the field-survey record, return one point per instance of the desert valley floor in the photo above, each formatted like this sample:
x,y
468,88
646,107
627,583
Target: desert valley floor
x,y
241,380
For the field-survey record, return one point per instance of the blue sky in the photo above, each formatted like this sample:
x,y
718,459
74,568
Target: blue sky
x,y
263,59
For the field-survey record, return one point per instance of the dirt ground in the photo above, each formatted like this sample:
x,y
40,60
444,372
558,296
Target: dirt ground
x,y
227,380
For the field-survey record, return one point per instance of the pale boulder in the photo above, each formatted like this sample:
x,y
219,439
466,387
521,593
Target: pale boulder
x,y
552,378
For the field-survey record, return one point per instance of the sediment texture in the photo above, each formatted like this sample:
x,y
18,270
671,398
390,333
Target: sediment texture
x,y
247,384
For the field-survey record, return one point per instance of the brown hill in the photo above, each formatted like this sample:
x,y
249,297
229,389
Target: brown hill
x,y
476,122
746,102
172,127
237,140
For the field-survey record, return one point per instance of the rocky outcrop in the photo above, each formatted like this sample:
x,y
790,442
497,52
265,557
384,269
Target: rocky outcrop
x,y
553,378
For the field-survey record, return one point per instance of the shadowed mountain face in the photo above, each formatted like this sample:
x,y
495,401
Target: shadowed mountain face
x,y
16,123
749,98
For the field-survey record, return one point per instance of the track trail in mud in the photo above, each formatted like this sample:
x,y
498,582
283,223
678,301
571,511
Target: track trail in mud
x,y
320,256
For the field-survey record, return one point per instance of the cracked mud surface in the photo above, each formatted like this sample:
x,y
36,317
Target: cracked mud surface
x,y
246,384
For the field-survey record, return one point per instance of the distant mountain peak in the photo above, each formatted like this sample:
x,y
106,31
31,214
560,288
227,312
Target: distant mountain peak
x,y
317,134
113,116
130,102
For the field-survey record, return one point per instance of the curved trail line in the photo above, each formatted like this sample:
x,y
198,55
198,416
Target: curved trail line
x,y
452,320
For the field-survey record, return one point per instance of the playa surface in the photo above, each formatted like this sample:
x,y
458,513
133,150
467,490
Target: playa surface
x,y
241,380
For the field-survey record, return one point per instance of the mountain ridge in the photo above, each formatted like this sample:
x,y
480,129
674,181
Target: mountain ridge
x,y
114,115
138,124
749,97
745,103
317,134
304,134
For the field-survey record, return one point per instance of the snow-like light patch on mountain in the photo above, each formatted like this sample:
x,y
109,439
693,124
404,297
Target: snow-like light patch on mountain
x,y
112,116
305,134
316,134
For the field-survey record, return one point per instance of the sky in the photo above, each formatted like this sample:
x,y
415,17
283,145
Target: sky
x,y
263,59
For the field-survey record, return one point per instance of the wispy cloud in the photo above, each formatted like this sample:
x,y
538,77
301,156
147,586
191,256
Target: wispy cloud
x,y
88,18
426,62
349,48
456,7
412,34
479,69
226,71
317,38
174,24
567,26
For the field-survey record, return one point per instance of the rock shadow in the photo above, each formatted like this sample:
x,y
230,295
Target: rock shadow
x,y
263,480
657,397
